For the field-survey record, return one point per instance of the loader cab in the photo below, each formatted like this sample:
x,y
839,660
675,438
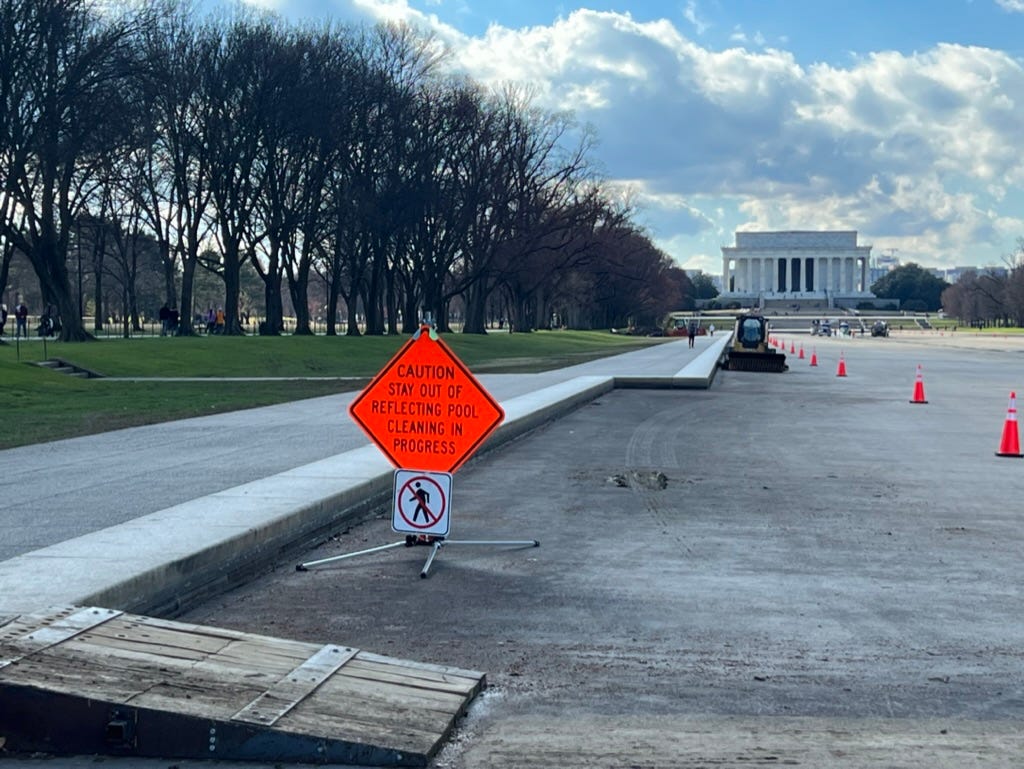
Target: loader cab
x,y
751,332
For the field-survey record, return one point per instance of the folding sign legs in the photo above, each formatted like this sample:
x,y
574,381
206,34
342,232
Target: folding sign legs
x,y
435,544
305,566
441,542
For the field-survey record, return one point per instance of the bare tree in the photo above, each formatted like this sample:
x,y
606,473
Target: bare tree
x,y
234,85
173,164
299,141
67,80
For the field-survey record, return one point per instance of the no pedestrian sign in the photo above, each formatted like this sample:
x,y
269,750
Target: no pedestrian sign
x,y
422,503
425,410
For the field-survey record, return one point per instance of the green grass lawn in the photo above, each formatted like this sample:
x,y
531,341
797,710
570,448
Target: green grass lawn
x,y
38,405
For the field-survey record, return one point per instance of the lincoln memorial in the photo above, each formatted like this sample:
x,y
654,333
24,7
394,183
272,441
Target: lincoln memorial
x,y
826,265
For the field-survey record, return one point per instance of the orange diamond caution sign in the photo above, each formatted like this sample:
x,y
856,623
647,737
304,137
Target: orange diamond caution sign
x,y
425,410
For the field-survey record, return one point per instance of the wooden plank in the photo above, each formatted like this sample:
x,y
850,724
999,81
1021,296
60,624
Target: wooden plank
x,y
263,653
226,634
366,712
166,643
365,706
390,694
425,679
55,675
136,649
421,666
299,684
124,681
189,627
362,717
365,729
127,632
195,698
62,627
255,661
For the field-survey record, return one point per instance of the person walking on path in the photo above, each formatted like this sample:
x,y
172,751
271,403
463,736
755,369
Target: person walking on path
x,y
692,331
21,317
165,319
3,318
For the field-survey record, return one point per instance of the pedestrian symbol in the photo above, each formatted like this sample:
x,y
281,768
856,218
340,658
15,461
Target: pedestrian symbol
x,y
422,499
421,502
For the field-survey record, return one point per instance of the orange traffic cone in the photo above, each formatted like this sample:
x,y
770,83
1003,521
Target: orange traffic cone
x,y
918,388
814,357
1009,445
801,355
841,369
792,348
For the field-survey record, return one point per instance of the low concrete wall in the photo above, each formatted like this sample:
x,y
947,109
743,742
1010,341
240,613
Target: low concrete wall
x,y
698,374
163,562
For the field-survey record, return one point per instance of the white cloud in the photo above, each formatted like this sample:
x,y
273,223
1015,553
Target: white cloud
x,y
740,37
1015,6
690,14
856,147
917,152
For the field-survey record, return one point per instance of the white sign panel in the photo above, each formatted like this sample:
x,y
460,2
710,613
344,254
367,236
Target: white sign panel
x,y
422,502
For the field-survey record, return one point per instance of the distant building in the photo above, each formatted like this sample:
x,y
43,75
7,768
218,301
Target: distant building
x,y
886,263
882,266
817,265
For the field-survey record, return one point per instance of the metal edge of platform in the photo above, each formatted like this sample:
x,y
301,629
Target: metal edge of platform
x,y
37,721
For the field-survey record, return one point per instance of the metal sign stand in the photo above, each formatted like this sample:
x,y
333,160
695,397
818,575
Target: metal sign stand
x,y
440,542
435,544
427,375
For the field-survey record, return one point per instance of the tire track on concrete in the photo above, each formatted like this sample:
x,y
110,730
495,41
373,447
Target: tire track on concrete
x,y
652,465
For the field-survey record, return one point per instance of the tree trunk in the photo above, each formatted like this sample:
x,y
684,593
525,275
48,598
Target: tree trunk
x,y
168,267
392,304
476,309
232,284
98,311
133,307
352,326
185,327
126,331
274,323
332,309
298,288
6,255
410,319
51,269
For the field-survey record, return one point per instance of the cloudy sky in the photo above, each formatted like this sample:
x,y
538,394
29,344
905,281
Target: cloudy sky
x,y
901,119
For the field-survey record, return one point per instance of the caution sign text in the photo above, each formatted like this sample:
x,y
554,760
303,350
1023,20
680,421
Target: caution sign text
x,y
425,410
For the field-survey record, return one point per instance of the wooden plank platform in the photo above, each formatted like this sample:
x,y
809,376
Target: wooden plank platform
x,y
88,680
